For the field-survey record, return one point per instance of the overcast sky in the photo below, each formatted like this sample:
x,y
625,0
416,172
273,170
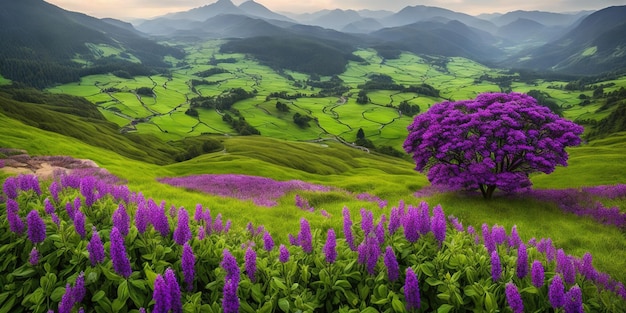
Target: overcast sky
x,y
127,9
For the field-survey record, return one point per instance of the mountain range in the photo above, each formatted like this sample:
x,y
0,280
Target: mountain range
x,y
45,44
583,42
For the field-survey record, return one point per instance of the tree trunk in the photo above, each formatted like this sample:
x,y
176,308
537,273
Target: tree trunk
x,y
487,191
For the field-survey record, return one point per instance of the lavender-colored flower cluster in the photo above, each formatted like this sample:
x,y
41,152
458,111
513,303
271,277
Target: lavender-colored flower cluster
x,y
262,191
582,202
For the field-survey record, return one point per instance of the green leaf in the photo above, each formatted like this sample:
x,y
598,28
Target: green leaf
x,y
266,308
445,308
490,302
283,304
8,306
530,289
23,271
369,309
122,291
397,305
98,295
343,284
57,294
433,281
280,284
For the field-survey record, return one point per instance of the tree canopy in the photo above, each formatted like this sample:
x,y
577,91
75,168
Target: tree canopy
x,y
492,142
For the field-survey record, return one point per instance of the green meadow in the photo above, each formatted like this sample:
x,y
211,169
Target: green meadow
x,y
314,154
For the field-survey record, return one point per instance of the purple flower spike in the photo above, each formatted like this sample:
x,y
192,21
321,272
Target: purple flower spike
x,y
268,242
95,248
304,237
283,257
121,264
36,227
556,292
411,224
514,298
250,264
67,301
54,190
367,221
159,219
48,207
391,263
411,290
423,223
121,220
438,224
229,264
79,223
78,292
16,224
522,261
10,187
330,250
182,233
161,296
537,274
496,267
347,228
174,291
188,264
33,258
573,300
230,301
199,214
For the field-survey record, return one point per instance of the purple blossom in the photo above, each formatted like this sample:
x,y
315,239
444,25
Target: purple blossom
x,y
69,209
411,290
161,296
78,291
573,301
391,263
496,267
304,237
36,227
438,224
587,268
369,252
10,187
230,301
121,220
325,213
54,190
379,230
556,292
229,264
565,266
201,232
490,244
182,233
268,242
303,204
411,224
199,213
218,225
522,261
174,291
537,274
33,258
188,261
121,264
79,223
48,207
293,240
330,250
347,228
206,216
395,219
456,223
262,191
423,220
514,238
227,226
498,234
142,217
367,221
513,298
250,263
16,224
67,300
95,248
87,189
283,255
159,218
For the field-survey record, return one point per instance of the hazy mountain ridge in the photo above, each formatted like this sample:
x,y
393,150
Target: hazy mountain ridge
x,y
597,44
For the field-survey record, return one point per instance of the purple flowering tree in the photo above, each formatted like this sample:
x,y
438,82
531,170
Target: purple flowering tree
x,y
492,142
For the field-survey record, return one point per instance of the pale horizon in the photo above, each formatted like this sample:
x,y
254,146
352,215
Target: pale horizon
x,y
147,9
